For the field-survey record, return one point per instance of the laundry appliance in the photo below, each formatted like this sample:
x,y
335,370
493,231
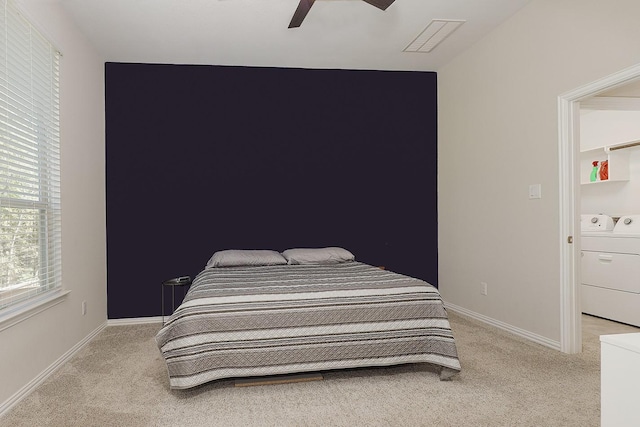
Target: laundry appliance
x,y
610,268
595,223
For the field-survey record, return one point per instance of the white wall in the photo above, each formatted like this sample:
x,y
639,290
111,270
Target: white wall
x,y
498,133
30,347
600,128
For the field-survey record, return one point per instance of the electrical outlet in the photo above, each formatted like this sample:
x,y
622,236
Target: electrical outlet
x,y
84,308
483,288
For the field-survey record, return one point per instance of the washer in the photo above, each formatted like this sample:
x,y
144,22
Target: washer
x,y
610,270
596,223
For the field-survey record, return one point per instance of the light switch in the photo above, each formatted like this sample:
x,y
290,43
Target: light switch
x,y
535,191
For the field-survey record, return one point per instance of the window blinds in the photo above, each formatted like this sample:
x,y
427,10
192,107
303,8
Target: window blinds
x,y
29,161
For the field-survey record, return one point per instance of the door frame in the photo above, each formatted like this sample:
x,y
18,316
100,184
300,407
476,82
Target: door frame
x,y
569,192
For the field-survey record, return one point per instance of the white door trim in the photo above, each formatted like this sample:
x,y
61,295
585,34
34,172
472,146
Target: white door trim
x,y
568,150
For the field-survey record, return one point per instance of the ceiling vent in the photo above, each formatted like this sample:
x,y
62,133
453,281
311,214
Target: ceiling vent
x,y
433,35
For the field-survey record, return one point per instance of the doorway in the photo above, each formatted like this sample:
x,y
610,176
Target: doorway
x,y
569,167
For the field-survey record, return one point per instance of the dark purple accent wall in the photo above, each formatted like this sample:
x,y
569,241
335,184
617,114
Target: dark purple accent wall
x,y
204,158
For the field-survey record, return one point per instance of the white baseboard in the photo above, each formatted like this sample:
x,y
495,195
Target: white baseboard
x,y
505,326
39,379
135,321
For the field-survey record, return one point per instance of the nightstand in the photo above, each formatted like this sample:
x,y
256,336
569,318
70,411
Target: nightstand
x,y
176,281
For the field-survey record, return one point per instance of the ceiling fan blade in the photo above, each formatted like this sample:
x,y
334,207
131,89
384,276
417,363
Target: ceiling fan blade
x,y
380,4
300,13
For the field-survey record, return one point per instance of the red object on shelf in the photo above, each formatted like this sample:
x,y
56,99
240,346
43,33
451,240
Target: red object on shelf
x,y
604,170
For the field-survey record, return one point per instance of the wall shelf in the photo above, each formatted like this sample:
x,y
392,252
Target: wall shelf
x,y
617,156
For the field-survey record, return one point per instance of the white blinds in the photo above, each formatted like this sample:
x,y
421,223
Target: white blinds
x,y
29,160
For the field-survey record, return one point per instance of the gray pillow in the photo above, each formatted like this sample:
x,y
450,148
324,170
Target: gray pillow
x,y
245,257
330,255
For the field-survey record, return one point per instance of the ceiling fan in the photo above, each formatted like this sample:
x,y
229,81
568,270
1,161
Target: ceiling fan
x,y
305,5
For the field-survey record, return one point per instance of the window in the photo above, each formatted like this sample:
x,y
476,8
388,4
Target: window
x,y
30,262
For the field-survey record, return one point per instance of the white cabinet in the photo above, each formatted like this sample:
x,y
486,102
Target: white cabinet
x,y
618,163
620,380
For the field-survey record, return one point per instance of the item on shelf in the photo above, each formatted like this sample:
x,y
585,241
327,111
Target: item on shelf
x,y
594,172
604,170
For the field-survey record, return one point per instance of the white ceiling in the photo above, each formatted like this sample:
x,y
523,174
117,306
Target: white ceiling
x,y
335,34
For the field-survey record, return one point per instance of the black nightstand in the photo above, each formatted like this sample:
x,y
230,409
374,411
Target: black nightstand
x,y
176,281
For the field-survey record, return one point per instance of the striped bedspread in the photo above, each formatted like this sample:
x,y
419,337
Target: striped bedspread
x,y
268,320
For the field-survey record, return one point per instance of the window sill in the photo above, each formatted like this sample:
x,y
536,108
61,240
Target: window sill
x,y
30,308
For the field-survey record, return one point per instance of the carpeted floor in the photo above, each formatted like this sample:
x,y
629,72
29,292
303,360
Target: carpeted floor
x,y
119,379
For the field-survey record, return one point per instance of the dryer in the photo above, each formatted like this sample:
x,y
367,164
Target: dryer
x,y
610,267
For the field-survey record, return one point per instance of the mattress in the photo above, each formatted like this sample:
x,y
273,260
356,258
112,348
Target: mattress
x,y
270,320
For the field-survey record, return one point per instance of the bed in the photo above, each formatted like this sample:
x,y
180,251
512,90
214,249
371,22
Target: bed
x,y
256,318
